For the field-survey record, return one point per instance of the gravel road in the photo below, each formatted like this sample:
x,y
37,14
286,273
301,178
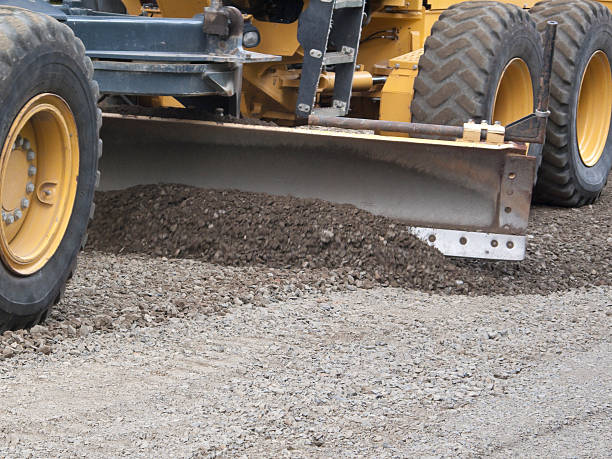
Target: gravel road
x,y
376,373
153,356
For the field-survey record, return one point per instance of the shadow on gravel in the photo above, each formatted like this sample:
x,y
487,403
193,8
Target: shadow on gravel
x,y
569,248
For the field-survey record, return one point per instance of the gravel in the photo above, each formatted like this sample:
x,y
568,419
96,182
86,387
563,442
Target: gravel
x,y
112,292
316,248
568,248
270,334
384,373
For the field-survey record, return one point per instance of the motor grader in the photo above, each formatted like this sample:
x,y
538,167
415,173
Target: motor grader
x,y
453,115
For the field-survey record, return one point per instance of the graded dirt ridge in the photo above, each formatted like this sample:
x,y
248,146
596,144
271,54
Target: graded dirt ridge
x,y
568,248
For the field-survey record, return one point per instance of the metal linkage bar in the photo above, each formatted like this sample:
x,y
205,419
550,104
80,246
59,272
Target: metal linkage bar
x,y
532,128
414,129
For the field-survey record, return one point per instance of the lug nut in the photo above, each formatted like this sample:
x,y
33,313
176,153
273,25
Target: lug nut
x,y
31,155
31,171
26,144
18,142
9,219
17,214
30,188
25,203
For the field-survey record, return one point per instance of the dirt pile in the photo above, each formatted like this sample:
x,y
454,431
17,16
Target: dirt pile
x,y
569,248
242,229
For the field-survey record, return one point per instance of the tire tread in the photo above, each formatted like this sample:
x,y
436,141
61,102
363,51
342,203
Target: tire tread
x,y
556,184
21,30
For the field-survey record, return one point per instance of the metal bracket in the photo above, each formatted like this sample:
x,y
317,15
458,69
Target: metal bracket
x,y
218,20
469,244
532,128
483,132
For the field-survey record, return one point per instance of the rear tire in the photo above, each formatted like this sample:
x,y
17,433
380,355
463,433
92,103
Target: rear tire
x,y
39,56
572,176
462,73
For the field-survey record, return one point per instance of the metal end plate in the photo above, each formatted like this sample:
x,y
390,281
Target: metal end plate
x,y
467,244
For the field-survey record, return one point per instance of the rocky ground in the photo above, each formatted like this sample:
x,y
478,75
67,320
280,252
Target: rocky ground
x,y
269,334
372,373
569,248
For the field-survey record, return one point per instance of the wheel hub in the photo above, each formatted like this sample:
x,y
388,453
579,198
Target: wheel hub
x,y
594,110
16,192
38,176
514,94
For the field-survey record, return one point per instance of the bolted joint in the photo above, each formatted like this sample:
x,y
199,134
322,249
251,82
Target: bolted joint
x,y
223,21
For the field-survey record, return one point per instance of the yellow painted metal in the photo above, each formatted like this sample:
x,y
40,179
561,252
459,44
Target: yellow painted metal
x,y
594,110
133,6
396,29
39,170
159,101
277,39
444,4
398,91
362,81
181,9
514,94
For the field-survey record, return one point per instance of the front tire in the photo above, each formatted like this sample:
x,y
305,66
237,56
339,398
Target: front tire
x,y
482,61
577,156
49,131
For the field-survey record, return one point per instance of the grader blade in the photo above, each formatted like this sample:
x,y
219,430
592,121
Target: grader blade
x,y
468,199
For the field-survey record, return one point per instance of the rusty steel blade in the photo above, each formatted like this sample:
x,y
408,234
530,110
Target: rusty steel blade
x,y
464,187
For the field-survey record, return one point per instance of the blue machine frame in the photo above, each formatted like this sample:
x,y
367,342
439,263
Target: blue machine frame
x,y
137,55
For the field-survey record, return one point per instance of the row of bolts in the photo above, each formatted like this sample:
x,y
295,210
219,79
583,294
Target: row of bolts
x,y
11,217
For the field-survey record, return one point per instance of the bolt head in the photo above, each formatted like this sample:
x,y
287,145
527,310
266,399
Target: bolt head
x,y
26,144
9,220
25,203
30,188
31,155
31,171
17,214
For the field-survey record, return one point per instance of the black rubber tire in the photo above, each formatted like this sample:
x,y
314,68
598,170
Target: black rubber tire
x,y
469,47
39,55
584,27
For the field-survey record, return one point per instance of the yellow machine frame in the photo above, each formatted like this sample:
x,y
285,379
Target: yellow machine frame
x,y
270,89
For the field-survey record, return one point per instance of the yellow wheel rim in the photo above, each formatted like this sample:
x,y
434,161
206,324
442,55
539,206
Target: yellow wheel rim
x,y
594,109
514,95
38,179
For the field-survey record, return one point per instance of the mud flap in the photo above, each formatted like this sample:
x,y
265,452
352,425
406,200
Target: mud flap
x,y
466,199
